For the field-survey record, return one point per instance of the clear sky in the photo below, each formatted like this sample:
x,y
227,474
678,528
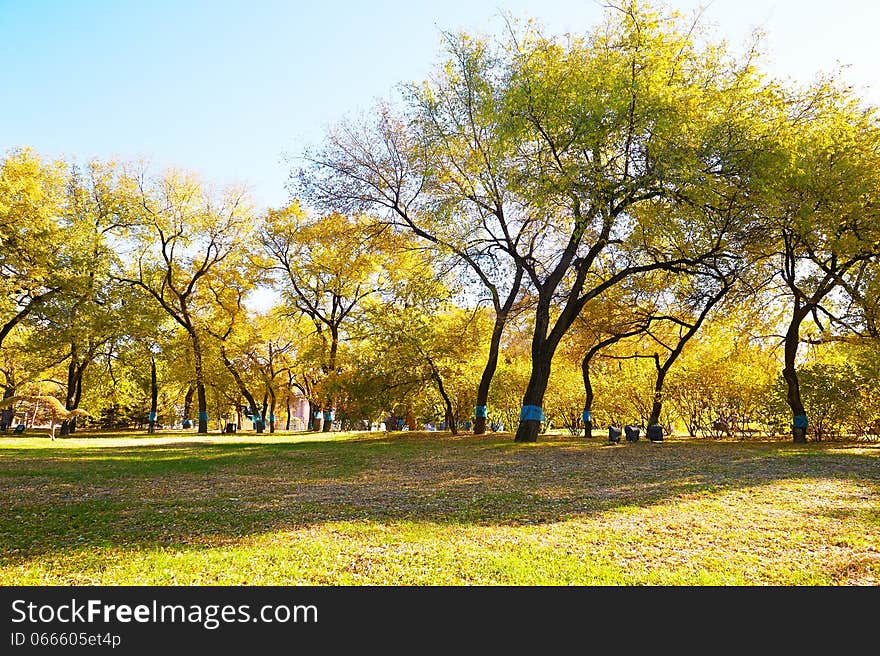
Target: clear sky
x,y
227,87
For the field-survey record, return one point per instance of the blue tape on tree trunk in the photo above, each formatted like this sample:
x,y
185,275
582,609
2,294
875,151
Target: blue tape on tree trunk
x,y
328,416
800,421
271,417
586,416
203,416
480,411
317,414
151,416
531,413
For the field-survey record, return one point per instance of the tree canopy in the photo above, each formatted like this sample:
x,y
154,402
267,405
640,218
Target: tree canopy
x,y
632,225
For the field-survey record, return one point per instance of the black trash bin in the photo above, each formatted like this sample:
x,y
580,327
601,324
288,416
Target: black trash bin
x,y
19,429
613,434
655,433
632,433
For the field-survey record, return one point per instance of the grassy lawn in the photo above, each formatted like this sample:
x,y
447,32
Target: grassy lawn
x,y
427,508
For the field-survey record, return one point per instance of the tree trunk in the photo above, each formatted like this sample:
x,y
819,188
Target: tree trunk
x,y
657,402
488,374
450,415
70,392
287,407
154,397
316,418
202,401
588,401
187,402
7,414
501,314
272,412
532,416
789,373
201,398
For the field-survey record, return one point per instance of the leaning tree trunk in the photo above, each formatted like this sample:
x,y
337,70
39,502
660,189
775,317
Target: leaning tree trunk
x,y
450,415
662,371
242,388
154,397
544,343
481,410
789,373
657,402
532,416
70,393
501,314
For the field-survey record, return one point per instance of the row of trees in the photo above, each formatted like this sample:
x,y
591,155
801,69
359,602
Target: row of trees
x,y
547,229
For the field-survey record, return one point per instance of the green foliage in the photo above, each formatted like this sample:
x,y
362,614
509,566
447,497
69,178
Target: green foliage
x,y
601,183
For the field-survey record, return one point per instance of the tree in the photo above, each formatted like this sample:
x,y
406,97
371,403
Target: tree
x,y
88,311
702,294
31,195
721,383
20,368
183,234
271,353
622,313
438,173
822,207
327,267
639,123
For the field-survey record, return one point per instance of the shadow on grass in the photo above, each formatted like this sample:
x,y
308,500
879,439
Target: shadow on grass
x,y
179,494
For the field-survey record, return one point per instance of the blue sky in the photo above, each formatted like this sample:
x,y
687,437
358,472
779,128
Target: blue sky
x,y
228,87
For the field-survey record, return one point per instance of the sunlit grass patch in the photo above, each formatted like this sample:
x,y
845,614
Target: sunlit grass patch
x,y
426,509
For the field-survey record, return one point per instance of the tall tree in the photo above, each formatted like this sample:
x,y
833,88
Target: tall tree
x,y
183,234
438,177
88,311
233,328
326,266
538,152
823,205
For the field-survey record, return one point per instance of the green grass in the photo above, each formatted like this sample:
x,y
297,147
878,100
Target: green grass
x,y
427,508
